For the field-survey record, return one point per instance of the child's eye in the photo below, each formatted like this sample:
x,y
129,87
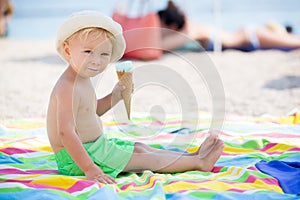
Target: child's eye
x,y
88,51
105,54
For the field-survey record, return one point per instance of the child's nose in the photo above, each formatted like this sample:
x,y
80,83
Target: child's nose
x,y
97,60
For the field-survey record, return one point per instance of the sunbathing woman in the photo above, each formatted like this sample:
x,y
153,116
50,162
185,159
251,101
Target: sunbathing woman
x,y
246,39
6,10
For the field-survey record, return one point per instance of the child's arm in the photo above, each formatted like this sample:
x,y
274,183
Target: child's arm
x,y
70,140
107,102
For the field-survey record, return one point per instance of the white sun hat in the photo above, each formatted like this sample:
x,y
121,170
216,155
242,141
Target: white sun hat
x,y
86,19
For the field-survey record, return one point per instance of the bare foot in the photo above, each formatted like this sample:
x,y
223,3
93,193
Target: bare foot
x,y
207,162
207,145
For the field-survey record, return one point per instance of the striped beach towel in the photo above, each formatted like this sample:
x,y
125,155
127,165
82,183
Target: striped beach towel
x,y
28,169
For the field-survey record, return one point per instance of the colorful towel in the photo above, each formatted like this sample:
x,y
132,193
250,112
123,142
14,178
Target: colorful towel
x,y
28,169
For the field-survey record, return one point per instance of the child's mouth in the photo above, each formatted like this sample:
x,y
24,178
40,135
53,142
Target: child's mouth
x,y
93,69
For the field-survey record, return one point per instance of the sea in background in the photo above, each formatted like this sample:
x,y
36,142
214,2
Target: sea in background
x,y
39,19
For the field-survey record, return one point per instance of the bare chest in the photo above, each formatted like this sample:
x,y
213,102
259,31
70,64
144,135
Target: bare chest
x,y
88,124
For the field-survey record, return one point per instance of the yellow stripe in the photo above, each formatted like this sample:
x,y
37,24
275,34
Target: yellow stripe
x,y
279,148
228,149
142,187
293,119
43,148
192,149
57,181
26,177
228,173
219,186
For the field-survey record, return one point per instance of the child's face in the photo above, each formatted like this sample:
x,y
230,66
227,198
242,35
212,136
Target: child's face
x,y
89,56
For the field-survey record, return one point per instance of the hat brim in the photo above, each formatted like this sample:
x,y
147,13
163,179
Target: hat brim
x,y
89,19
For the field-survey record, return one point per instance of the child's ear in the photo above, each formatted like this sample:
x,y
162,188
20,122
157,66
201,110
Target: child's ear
x,y
66,48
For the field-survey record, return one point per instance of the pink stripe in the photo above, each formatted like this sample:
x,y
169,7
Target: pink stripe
x,y
42,171
18,181
175,122
11,151
236,190
17,171
275,152
236,154
268,146
252,168
159,122
216,169
76,187
124,187
271,145
251,179
269,181
294,149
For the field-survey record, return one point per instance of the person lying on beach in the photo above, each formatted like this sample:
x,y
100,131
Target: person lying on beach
x,y
6,10
88,41
270,36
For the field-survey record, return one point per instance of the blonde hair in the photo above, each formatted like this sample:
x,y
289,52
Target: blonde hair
x,y
82,34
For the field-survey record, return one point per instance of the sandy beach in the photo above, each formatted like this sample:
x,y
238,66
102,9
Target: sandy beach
x,y
254,84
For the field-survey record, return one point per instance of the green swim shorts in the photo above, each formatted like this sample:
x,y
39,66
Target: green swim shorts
x,y
111,155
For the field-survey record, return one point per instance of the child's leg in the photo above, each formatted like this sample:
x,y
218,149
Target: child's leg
x,y
170,162
205,147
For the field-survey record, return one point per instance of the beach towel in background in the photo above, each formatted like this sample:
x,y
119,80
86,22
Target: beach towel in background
x,y
141,33
260,161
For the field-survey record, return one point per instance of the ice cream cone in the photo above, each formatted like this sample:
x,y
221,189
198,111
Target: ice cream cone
x,y
124,72
125,78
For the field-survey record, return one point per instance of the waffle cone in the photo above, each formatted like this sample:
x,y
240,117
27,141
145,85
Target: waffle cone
x,y
125,78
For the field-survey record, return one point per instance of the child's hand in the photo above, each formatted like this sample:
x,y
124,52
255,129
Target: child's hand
x,y
117,91
94,173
